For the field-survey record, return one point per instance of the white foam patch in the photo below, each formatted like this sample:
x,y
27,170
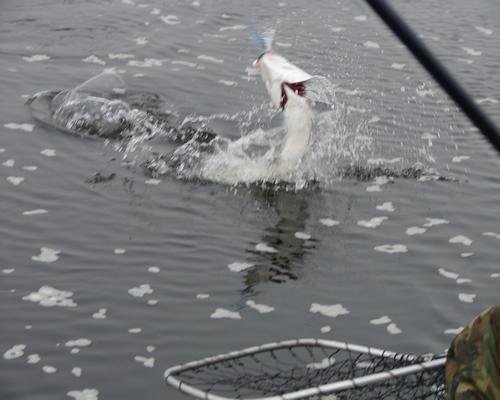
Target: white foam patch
x,y
361,18
37,57
210,58
8,271
332,311
484,30
387,206
9,163
459,159
265,248
466,298
465,255
77,372
393,329
141,41
119,251
152,302
120,56
337,29
225,16
202,296
487,100
428,135
154,270
373,120
383,160
75,350
463,280
461,239
85,394
325,363
15,352
302,235
472,52
22,127
49,369
152,181
101,314
454,331
83,342
135,330
33,358
185,63
329,222
448,274
15,180
415,230
282,44
228,83
150,349
392,248
147,63
465,60
30,167
48,153
233,28
381,321
371,45
171,20
494,234
147,362
48,296
495,275
239,266
326,329
94,60
47,255
223,313
141,290
373,223
435,221
261,308
398,66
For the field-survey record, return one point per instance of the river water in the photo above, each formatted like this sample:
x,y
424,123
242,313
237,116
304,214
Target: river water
x,y
123,257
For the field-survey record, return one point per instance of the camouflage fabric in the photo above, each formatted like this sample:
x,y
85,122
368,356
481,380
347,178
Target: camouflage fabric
x,y
473,361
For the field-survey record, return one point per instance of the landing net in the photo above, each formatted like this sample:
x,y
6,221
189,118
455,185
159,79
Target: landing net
x,y
311,369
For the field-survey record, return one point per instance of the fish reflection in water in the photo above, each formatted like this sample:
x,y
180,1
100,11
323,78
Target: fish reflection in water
x,y
281,258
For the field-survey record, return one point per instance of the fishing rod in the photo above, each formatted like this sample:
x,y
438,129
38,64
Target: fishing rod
x,y
437,70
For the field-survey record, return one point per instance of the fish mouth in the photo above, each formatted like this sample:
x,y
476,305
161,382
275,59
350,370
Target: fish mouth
x,y
299,88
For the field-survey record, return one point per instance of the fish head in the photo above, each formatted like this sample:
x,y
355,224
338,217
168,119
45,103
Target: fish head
x,y
277,72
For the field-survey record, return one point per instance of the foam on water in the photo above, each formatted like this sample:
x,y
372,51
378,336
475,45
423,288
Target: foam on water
x,y
332,311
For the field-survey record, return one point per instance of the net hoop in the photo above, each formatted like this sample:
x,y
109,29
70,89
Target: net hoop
x,y
172,380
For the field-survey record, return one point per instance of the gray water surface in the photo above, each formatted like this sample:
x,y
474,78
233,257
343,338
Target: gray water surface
x,y
392,213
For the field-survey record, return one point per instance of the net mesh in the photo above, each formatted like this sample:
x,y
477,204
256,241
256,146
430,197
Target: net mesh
x,y
262,373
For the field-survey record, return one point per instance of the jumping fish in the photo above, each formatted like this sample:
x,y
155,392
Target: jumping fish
x,y
285,84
